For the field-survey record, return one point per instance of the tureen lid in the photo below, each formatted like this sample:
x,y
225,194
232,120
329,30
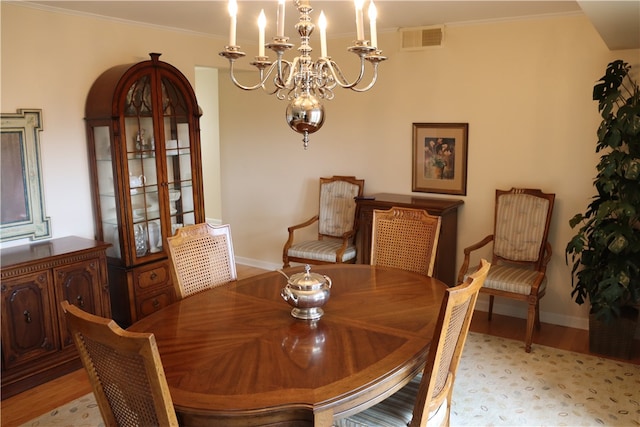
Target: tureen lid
x,y
307,280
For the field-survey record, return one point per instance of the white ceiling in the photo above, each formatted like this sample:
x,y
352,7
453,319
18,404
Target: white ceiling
x,y
618,22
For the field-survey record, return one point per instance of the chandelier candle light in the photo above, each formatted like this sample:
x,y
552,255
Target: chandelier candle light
x,y
303,81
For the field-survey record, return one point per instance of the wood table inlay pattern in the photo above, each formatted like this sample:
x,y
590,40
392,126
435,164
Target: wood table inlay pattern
x,y
235,355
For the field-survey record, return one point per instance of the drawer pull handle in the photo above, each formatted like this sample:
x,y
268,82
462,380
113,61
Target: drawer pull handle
x,y
80,301
27,316
156,303
154,276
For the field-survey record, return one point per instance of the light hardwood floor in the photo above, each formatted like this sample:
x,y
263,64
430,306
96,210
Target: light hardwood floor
x,y
36,401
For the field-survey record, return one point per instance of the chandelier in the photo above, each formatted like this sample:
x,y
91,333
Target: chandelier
x,y
303,81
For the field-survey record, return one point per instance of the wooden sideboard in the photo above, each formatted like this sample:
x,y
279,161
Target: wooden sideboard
x,y
36,278
447,209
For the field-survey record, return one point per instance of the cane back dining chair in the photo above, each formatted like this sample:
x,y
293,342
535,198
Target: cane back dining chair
x,y
426,400
201,258
124,369
336,222
520,251
405,238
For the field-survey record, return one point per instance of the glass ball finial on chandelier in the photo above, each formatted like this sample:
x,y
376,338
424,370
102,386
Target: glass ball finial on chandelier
x,y
304,82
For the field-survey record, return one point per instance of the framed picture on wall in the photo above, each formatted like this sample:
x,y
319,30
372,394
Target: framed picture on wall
x,y
440,158
22,209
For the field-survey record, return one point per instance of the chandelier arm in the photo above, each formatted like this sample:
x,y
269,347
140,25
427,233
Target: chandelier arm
x,y
271,91
339,76
264,76
280,95
326,92
371,84
322,80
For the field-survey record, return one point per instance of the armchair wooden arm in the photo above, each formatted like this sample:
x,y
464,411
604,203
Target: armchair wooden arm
x,y
346,239
467,256
292,230
542,271
547,256
303,224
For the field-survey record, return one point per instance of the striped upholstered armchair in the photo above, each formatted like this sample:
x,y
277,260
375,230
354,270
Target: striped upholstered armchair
x,y
335,222
520,251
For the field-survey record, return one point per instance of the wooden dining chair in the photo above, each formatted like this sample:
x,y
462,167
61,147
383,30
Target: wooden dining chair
x,y
405,238
520,251
336,222
124,369
201,258
426,400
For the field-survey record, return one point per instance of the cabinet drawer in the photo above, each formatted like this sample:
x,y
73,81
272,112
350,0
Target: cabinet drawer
x,y
150,303
152,276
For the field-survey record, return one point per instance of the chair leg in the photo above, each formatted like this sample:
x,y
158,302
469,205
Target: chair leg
x,y
490,306
531,320
538,315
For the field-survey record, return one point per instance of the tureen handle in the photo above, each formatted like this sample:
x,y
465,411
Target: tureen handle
x,y
286,294
328,281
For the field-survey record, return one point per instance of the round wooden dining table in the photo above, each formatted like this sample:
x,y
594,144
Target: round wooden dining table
x,y
234,355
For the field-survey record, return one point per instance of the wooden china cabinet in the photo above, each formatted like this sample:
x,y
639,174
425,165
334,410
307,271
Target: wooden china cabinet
x,y
144,146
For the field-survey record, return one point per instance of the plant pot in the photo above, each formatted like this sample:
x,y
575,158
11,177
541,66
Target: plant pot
x,y
614,338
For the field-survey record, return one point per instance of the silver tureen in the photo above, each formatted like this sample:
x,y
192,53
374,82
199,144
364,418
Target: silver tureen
x,y
306,293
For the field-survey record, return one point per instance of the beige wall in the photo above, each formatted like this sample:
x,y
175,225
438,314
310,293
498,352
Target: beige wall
x,y
207,93
524,88
49,61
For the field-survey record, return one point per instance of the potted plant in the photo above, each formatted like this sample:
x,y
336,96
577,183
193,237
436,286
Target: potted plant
x,y
605,252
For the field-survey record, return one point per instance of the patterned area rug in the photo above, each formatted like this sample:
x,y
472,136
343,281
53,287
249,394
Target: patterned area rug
x,y
498,384
82,412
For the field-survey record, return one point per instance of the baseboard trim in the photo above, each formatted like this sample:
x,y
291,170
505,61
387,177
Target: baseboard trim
x,y
213,221
519,310
258,264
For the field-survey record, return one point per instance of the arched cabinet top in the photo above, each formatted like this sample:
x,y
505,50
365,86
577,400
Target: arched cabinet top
x,y
107,94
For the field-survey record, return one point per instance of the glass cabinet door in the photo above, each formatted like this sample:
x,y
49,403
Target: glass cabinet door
x,y
142,177
178,156
158,164
106,189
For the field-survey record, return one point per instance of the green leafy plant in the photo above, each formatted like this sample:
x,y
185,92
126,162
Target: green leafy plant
x,y
605,252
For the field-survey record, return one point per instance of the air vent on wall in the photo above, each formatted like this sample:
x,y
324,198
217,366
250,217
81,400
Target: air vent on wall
x,y
421,37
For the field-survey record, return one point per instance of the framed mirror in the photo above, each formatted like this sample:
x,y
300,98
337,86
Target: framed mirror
x,y
22,212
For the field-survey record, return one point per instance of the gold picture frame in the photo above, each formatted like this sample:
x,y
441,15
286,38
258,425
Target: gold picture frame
x,y
440,158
